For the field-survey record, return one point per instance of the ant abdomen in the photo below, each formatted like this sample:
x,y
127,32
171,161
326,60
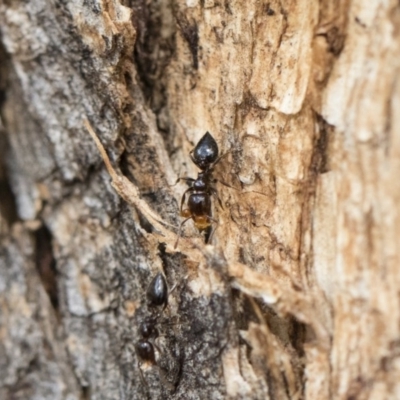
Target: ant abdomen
x,y
157,292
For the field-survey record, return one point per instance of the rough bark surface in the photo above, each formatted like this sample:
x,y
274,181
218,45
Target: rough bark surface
x,y
298,297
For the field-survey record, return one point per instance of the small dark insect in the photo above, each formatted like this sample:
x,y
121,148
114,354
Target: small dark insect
x,y
157,295
146,346
199,205
157,292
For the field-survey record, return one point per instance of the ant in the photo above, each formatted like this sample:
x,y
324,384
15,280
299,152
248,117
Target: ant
x,y
157,295
199,207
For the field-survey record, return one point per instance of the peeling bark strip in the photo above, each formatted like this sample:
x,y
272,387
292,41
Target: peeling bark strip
x,y
298,296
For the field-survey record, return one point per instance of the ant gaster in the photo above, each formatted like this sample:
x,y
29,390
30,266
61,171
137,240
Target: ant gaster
x,y
199,207
157,292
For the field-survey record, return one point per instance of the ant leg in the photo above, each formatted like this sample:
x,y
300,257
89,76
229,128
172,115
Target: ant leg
x,y
212,219
182,178
213,229
141,375
225,184
169,292
184,198
215,193
156,347
221,157
173,288
180,230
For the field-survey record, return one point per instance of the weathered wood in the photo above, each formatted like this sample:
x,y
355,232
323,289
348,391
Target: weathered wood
x,y
298,297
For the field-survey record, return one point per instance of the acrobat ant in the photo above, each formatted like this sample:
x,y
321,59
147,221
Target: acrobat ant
x,y
146,348
157,295
199,205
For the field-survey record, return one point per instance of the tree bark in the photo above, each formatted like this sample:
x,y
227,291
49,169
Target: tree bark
x,y
298,295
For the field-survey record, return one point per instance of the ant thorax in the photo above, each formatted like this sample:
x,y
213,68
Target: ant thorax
x,y
201,183
148,329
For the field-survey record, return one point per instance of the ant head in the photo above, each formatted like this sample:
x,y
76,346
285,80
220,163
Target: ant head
x,y
157,292
206,152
